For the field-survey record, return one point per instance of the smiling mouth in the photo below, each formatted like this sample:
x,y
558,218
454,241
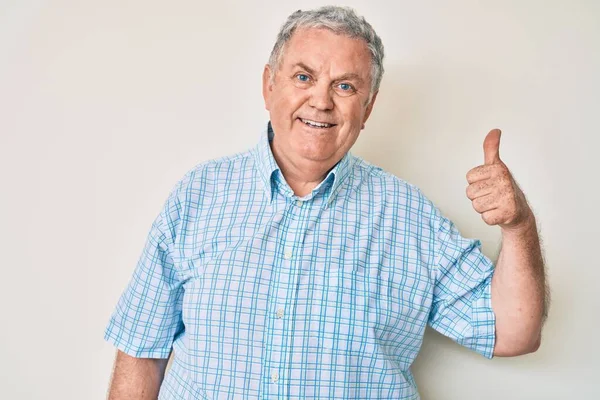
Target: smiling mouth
x,y
316,124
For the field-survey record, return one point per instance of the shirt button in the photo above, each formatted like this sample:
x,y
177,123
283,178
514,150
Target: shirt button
x,y
299,203
275,376
280,313
287,255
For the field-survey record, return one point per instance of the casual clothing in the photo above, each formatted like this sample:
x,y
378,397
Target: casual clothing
x,y
263,294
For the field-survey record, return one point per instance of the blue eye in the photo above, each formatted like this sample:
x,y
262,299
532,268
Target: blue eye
x,y
302,77
345,87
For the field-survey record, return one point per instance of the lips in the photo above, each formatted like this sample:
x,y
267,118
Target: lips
x,y
316,124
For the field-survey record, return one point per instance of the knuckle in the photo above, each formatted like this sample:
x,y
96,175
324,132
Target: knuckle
x,y
470,176
471,191
486,218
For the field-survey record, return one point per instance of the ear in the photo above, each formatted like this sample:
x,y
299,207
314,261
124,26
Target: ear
x,y
266,85
370,108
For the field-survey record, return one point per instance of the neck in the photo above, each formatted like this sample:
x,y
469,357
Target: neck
x,y
302,177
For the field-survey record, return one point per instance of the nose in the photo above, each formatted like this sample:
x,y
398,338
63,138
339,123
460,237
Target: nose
x,y
320,97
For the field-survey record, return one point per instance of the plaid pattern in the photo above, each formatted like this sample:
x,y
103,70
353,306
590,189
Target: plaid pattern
x,y
264,294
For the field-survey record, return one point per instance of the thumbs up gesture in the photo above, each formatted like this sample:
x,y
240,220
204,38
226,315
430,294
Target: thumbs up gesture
x,y
493,191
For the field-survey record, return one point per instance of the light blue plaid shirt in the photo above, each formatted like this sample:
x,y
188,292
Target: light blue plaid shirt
x,y
262,294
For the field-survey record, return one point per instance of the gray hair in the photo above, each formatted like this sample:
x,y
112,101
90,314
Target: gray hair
x,y
340,20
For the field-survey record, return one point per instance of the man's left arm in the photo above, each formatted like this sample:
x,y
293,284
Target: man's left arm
x,y
519,292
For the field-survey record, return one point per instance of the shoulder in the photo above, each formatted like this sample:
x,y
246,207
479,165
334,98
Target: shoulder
x,y
393,190
200,185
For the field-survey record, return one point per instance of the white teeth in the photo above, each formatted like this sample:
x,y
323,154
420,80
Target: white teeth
x,y
315,124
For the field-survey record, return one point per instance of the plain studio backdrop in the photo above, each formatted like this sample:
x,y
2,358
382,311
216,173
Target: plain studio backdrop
x,y
104,105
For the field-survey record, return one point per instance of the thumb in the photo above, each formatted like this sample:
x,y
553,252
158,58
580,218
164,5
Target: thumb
x,y
491,147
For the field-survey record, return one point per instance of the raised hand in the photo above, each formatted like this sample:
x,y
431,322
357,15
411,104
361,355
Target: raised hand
x,y
493,191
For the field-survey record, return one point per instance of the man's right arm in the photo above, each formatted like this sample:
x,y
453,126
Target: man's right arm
x,y
136,378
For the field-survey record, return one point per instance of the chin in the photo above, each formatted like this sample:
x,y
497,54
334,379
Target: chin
x,y
317,155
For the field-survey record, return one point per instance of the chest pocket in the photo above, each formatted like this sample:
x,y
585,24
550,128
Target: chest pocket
x,y
340,316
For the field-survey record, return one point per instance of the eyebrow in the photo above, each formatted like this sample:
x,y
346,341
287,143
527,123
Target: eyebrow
x,y
346,76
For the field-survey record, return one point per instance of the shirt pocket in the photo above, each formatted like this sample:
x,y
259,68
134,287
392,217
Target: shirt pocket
x,y
340,315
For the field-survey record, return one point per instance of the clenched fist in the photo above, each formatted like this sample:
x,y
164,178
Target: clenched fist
x,y
493,191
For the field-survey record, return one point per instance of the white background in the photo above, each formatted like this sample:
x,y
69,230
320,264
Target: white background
x,y
104,105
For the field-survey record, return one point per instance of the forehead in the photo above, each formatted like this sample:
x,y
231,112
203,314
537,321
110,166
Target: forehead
x,y
325,51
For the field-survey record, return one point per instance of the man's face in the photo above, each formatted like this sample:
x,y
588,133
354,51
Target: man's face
x,y
324,78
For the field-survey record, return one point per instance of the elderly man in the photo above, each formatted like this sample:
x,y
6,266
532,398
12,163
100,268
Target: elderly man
x,y
297,270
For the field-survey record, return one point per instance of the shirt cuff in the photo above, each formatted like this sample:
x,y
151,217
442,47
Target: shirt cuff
x,y
484,324
118,339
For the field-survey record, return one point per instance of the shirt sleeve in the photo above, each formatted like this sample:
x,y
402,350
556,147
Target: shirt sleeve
x,y
147,317
462,308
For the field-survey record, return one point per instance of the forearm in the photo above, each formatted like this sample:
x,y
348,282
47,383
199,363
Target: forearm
x,y
136,378
519,289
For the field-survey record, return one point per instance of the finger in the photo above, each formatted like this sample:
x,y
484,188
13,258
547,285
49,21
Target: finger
x,y
485,203
492,217
480,173
491,147
480,188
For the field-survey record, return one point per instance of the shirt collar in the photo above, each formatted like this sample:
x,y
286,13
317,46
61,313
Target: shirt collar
x,y
269,171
